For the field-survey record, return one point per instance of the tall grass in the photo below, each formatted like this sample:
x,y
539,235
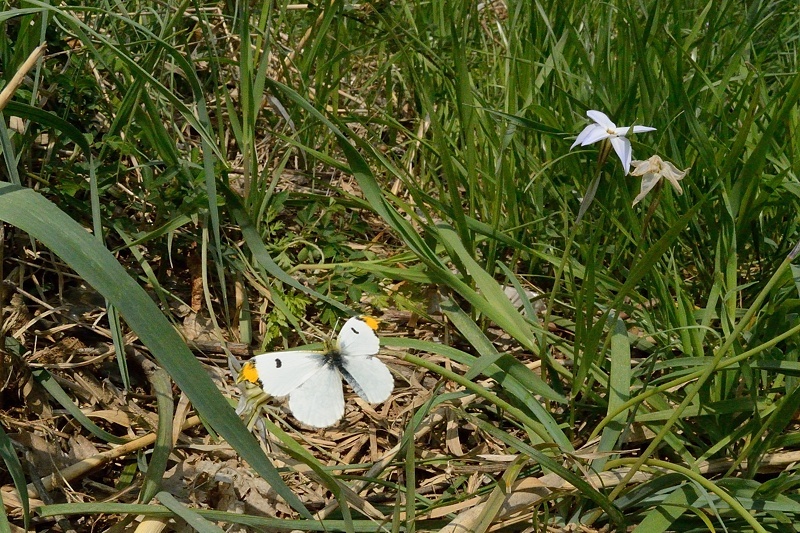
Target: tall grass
x,y
666,332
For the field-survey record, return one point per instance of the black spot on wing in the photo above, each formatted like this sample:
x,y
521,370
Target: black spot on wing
x,y
278,363
354,330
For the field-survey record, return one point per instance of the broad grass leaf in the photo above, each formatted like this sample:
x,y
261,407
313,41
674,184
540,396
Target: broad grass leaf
x,y
619,388
49,120
670,509
491,358
491,301
12,13
41,219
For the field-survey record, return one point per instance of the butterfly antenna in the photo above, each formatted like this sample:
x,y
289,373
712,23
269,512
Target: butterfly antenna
x,y
315,331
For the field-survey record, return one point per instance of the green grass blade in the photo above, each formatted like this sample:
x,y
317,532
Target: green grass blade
x,y
409,469
489,356
14,468
9,158
747,187
137,69
372,191
160,511
5,526
295,450
512,376
669,510
499,495
44,379
193,519
119,346
642,268
491,397
259,251
162,387
497,305
549,464
618,391
17,12
49,120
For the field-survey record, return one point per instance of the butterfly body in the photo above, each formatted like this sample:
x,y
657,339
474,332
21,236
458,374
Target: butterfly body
x,y
313,380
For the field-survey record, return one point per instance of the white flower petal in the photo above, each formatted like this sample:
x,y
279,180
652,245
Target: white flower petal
x,y
672,169
598,133
640,168
601,118
583,134
653,170
674,175
623,148
604,128
675,185
648,182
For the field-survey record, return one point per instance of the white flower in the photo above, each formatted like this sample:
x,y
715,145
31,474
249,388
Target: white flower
x,y
603,128
652,170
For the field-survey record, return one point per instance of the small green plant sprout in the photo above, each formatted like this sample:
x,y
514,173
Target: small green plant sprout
x,y
652,171
604,129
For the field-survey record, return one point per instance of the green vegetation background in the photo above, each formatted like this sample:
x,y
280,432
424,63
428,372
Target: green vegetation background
x,y
317,159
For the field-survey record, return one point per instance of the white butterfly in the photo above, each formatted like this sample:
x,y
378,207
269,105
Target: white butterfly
x,y
313,380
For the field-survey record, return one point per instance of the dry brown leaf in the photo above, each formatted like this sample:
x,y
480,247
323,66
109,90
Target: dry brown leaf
x,y
451,435
80,448
43,455
115,416
199,327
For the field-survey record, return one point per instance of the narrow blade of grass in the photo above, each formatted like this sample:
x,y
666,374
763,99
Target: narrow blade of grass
x,y
14,468
195,521
44,379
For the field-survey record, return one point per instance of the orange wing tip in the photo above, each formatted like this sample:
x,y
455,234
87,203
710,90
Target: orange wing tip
x,y
248,373
370,321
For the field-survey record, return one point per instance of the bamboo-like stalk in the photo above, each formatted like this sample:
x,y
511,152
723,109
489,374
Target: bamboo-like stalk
x,y
8,91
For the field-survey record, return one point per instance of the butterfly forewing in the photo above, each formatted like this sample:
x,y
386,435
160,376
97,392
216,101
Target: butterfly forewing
x,y
319,402
282,372
357,337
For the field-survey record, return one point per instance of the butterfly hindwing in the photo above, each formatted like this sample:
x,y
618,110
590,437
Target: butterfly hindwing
x,y
282,372
319,402
369,377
